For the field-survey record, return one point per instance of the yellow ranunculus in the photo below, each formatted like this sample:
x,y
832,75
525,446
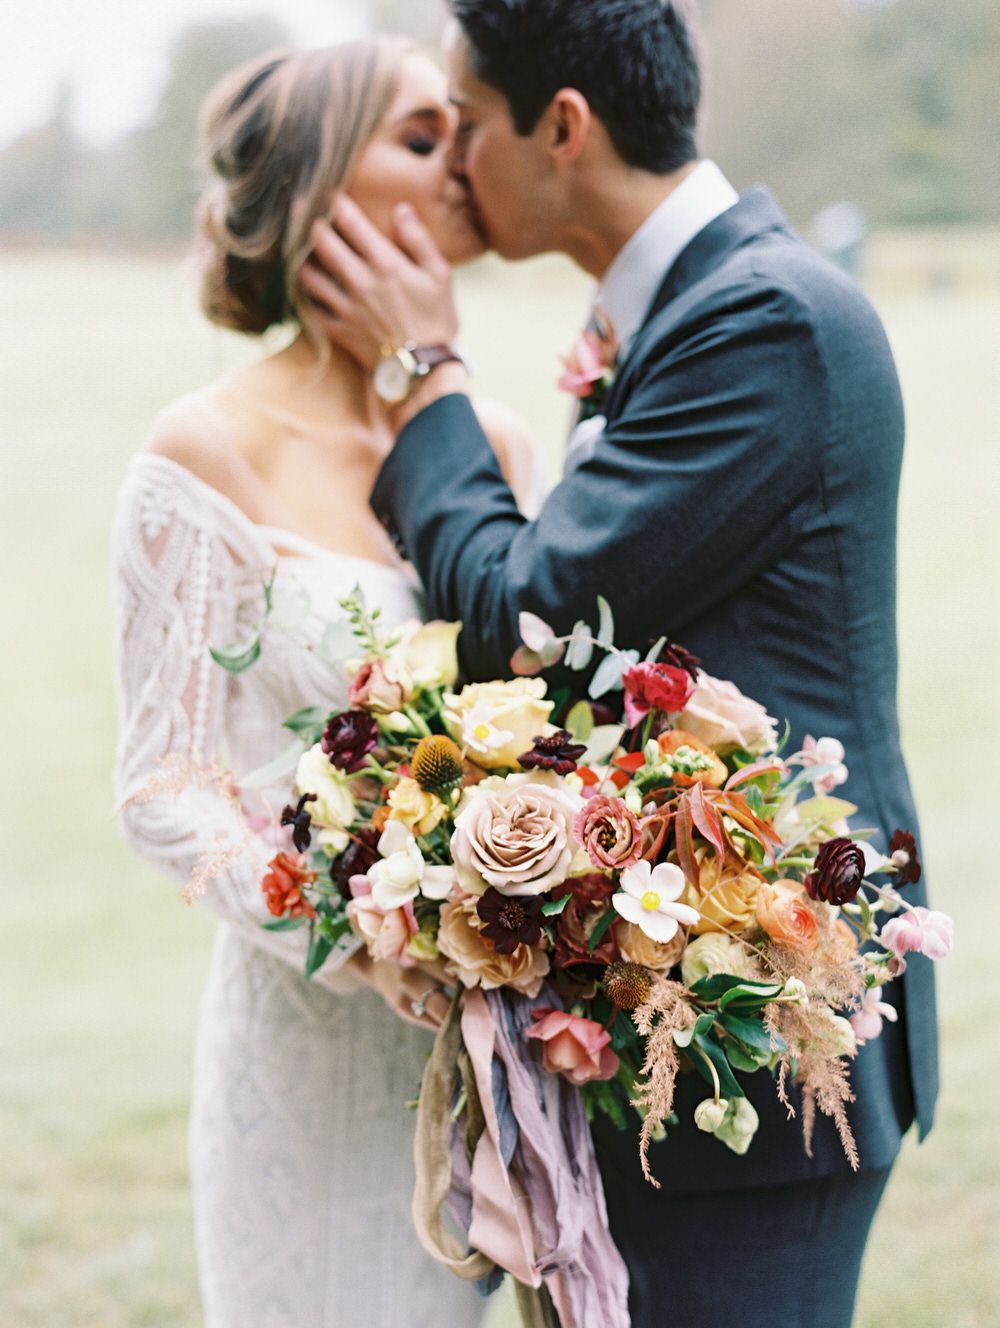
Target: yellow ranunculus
x,y
726,904
429,654
496,722
418,811
333,809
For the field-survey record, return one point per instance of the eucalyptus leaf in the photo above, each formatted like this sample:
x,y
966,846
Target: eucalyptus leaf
x,y
606,623
284,924
580,651
602,743
337,642
237,659
654,654
607,677
535,633
552,652
553,907
308,724
291,609
579,723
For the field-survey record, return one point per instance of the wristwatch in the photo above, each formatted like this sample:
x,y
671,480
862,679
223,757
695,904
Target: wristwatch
x,y
400,368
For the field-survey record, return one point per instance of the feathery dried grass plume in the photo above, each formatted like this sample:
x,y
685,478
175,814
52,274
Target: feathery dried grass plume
x,y
821,1070
170,777
666,1010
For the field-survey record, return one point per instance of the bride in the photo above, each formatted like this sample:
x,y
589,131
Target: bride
x,y
300,1144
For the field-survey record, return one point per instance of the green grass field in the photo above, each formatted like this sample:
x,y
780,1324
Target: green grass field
x,y
101,967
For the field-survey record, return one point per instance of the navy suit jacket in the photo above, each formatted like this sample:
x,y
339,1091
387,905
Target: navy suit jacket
x,y
743,500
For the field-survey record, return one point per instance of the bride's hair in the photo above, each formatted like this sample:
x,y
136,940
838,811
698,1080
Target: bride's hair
x,y
278,137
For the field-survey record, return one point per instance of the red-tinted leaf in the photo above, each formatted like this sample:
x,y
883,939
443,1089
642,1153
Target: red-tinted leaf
x,y
707,820
685,843
632,762
752,771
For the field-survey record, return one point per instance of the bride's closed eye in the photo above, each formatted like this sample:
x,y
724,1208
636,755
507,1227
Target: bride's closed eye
x,y
422,145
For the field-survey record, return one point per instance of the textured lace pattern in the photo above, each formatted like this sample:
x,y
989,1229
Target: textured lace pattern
x,y
300,1145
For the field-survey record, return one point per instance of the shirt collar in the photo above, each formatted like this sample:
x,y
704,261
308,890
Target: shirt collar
x,y
631,282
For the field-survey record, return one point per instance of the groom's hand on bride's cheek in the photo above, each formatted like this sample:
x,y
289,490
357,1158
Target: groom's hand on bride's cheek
x,y
373,292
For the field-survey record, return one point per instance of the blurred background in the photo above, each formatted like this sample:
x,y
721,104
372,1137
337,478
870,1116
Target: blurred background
x,y
877,123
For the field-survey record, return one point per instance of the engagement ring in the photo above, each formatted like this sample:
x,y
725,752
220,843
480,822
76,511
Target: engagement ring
x,y
419,1006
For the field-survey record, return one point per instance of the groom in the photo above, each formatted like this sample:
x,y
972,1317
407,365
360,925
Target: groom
x,y
741,497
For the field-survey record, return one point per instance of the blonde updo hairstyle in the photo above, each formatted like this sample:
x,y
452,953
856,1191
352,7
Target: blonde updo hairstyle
x,y
278,138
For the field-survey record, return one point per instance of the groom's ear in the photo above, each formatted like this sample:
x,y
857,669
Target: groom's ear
x,y
568,120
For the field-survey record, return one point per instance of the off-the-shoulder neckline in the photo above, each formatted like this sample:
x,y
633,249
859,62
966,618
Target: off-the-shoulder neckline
x,y
274,536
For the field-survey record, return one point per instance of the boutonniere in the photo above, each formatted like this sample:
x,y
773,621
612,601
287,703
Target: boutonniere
x,y
590,367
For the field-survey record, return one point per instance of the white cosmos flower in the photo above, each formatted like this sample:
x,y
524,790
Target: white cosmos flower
x,y
649,899
401,873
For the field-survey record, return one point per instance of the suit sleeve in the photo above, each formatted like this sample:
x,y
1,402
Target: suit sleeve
x,y
691,492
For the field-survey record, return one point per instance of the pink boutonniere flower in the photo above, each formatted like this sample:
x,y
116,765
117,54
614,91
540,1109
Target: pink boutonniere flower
x,y
589,368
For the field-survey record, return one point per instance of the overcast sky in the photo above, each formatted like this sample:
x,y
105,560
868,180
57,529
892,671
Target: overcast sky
x,y
114,51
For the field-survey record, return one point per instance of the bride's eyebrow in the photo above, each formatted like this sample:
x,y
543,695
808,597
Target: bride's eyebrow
x,y
435,113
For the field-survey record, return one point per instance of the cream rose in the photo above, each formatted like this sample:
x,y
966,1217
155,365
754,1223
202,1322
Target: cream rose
x,y
496,722
515,834
710,954
638,948
719,714
475,962
333,809
419,811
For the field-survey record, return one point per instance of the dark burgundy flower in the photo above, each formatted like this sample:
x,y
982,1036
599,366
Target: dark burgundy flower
x,y
904,845
360,854
837,872
510,922
300,820
348,739
576,923
679,658
559,753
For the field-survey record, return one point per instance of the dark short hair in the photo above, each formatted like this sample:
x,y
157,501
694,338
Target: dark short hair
x,y
635,61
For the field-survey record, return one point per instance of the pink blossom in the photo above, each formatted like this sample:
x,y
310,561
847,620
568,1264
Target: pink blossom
x,y
386,934
867,1022
920,930
573,1046
585,365
823,751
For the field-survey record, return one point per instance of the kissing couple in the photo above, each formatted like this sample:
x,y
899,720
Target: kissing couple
x,y
732,479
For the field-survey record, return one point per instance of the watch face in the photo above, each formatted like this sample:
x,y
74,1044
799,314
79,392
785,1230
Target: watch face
x,y
393,377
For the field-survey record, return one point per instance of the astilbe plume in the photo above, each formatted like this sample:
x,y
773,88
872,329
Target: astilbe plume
x,y
823,1077
666,1010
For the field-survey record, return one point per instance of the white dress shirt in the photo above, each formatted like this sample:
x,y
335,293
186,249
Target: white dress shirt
x,y
637,271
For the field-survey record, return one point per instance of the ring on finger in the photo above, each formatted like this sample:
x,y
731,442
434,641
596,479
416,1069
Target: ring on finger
x,y
419,1004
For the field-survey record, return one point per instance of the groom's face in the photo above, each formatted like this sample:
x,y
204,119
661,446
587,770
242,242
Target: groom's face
x,y
508,176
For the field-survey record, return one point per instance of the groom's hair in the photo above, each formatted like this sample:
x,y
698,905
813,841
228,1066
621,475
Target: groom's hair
x,y
635,61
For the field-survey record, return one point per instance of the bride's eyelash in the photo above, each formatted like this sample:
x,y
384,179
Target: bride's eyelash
x,y
421,145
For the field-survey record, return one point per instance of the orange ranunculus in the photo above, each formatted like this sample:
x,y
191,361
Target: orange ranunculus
x,y
784,913
283,886
714,777
841,942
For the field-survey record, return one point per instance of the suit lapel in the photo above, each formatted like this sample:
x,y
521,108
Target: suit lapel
x,y
754,215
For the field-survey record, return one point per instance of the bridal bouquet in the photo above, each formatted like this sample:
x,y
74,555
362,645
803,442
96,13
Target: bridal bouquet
x,y
667,890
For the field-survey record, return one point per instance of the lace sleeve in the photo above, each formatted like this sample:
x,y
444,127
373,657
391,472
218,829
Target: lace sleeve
x,y
185,578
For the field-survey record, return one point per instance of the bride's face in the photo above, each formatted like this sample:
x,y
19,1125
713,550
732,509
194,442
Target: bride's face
x,y
406,161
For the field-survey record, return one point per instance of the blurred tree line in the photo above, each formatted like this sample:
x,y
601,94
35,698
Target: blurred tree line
x,y
890,103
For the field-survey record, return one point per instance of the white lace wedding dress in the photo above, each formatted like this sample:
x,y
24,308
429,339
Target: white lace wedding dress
x,y
300,1142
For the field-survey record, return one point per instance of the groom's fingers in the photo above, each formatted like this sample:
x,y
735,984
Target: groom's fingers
x,y
416,242
322,290
364,238
332,252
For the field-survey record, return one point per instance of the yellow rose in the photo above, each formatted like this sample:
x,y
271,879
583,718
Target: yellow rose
x,y
496,722
726,903
638,948
418,811
333,809
428,653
